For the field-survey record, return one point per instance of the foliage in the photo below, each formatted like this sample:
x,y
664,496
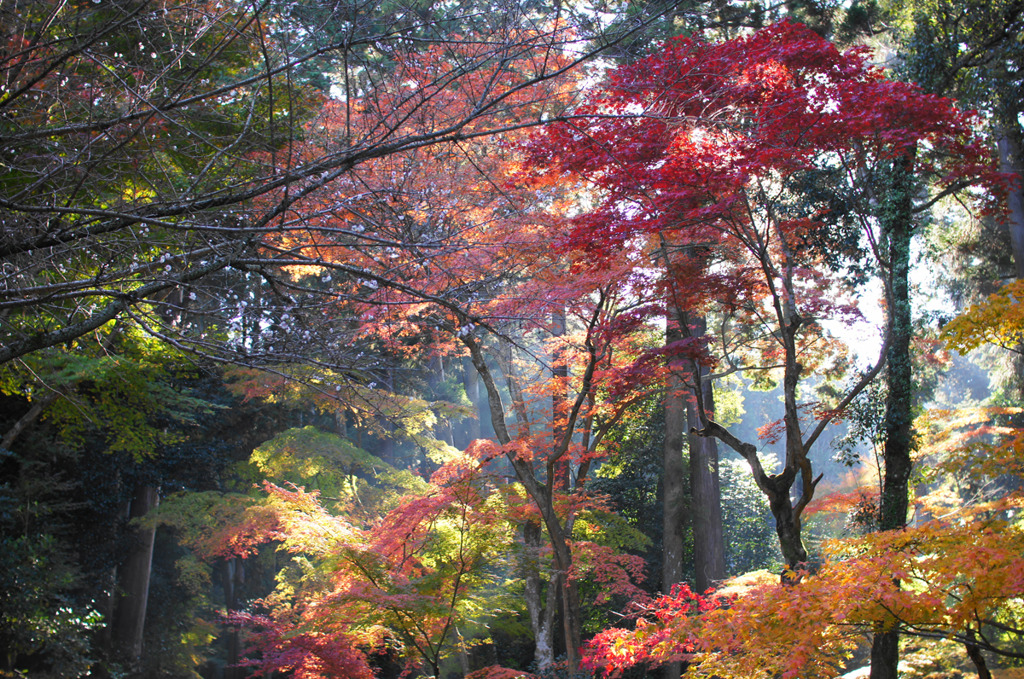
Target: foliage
x,y
312,192
120,384
332,465
746,522
939,580
410,575
999,320
44,626
709,160
41,625
158,155
955,574
382,412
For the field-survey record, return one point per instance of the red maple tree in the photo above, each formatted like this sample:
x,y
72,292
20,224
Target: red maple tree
x,y
745,172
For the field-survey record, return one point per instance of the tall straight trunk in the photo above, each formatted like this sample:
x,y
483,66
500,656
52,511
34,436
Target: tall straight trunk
x,y
233,579
674,502
1010,160
675,507
436,380
897,222
706,508
133,586
705,489
388,451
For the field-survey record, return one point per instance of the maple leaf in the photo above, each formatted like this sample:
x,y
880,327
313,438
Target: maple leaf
x,y
999,320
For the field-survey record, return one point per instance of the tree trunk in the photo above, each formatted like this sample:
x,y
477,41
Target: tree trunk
x,y
130,616
705,491
571,628
388,451
706,512
787,525
775,487
885,654
974,653
675,500
1010,160
675,510
472,425
464,663
437,379
559,374
233,578
542,496
897,223
541,612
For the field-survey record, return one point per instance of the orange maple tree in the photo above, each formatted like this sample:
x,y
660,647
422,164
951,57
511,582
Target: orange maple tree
x,y
959,582
955,574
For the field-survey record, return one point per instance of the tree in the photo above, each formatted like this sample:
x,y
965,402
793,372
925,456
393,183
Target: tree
x,y
535,448
952,578
457,265
968,53
161,140
712,149
44,626
121,425
418,571
127,399
412,575
815,624
897,225
160,175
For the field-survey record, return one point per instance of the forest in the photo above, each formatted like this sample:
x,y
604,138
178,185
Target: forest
x,y
511,339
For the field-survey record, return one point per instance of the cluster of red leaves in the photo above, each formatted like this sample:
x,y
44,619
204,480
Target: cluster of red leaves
x,y
302,654
655,638
685,130
498,672
616,573
844,502
687,154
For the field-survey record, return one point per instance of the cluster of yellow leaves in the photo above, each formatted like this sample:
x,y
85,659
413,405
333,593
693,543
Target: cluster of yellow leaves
x,y
982,439
999,321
